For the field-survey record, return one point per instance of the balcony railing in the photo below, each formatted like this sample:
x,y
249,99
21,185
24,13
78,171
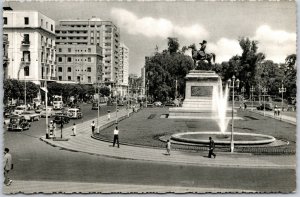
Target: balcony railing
x,y
5,58
25,43
27,60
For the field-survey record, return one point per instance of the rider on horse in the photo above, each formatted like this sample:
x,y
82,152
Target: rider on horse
x,y
202,49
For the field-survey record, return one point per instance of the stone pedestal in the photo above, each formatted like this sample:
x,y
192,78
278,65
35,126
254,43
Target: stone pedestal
x,y
200,85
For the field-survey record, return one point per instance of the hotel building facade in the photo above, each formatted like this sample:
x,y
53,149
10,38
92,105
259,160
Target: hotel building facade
x,y
78,36
30,46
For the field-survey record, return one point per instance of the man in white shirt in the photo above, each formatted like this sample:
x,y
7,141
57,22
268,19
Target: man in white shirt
x,y
116,137
7,164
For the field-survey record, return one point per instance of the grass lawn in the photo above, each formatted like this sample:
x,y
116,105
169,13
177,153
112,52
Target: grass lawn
x,y
146,126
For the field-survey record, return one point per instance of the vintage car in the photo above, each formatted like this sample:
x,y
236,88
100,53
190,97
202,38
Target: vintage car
x,y
20,109
7,112
18,123
50,112
95,106
266,106
74,113
39,108
61,118
31,116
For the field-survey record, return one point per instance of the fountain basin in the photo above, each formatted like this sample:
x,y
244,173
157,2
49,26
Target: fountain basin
x,y
223,138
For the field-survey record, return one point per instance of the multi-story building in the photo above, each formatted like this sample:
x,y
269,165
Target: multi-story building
x,y
123,70
31,49
80,63
83,33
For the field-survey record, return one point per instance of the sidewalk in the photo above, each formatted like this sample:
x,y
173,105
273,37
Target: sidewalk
x,y
48,187
284,118
83,142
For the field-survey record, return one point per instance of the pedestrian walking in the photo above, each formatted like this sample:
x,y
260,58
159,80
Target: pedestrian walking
x,y
211,148
74,129
245,106
116,137
7,164
93,127
168,147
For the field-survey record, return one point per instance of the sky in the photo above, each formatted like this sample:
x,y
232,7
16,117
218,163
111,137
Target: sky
x,y
143,25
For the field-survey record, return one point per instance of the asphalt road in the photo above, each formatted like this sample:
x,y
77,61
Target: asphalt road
x,y
35,160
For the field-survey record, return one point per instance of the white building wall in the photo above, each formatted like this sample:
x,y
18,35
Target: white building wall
x,y
15,29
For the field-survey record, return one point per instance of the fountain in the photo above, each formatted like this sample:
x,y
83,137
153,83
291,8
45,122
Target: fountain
x,y
205,98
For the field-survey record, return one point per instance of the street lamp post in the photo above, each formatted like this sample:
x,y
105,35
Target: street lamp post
x,y
252,91
282,90
116,104
147,87
264,90
234,83
98,107
46,102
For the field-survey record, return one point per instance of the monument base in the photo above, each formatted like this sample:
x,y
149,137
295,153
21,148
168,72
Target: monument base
x,y
188,113
201,85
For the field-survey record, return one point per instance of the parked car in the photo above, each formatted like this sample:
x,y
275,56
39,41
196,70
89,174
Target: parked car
x,y
18,123
267,107
95,106
120,103
50,112
7,112
61,118
169,103
39,108
31,116
157,104
20,109
74,113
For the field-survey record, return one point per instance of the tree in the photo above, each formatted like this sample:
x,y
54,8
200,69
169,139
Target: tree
x,y
105,91
173,45
163,69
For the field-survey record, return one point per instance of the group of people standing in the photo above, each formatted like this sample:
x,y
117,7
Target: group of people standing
x,y
210,149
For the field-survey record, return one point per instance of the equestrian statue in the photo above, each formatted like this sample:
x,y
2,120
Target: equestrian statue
x,y
201,55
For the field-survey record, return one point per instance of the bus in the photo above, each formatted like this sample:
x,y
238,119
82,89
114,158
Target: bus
x,y
57,102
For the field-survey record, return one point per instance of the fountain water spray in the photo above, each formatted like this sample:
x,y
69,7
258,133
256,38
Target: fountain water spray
x,y
219,106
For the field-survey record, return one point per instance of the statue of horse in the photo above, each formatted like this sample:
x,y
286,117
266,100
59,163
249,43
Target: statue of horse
x,y
196,55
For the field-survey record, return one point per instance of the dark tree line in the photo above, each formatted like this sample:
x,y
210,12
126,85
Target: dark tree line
x,y
251,68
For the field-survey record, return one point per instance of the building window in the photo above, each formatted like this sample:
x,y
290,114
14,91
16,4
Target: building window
x,y
26,20
89,69
89,50
69,59
69,50
78,78
5,20
59,69
26,56
51,27
69,78
42,22
89,79
60,78
69,69
46,25
59,50
89,59
60,59
26,71
26,39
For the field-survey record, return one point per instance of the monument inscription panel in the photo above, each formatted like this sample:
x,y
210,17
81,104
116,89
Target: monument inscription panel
x,y
199,91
